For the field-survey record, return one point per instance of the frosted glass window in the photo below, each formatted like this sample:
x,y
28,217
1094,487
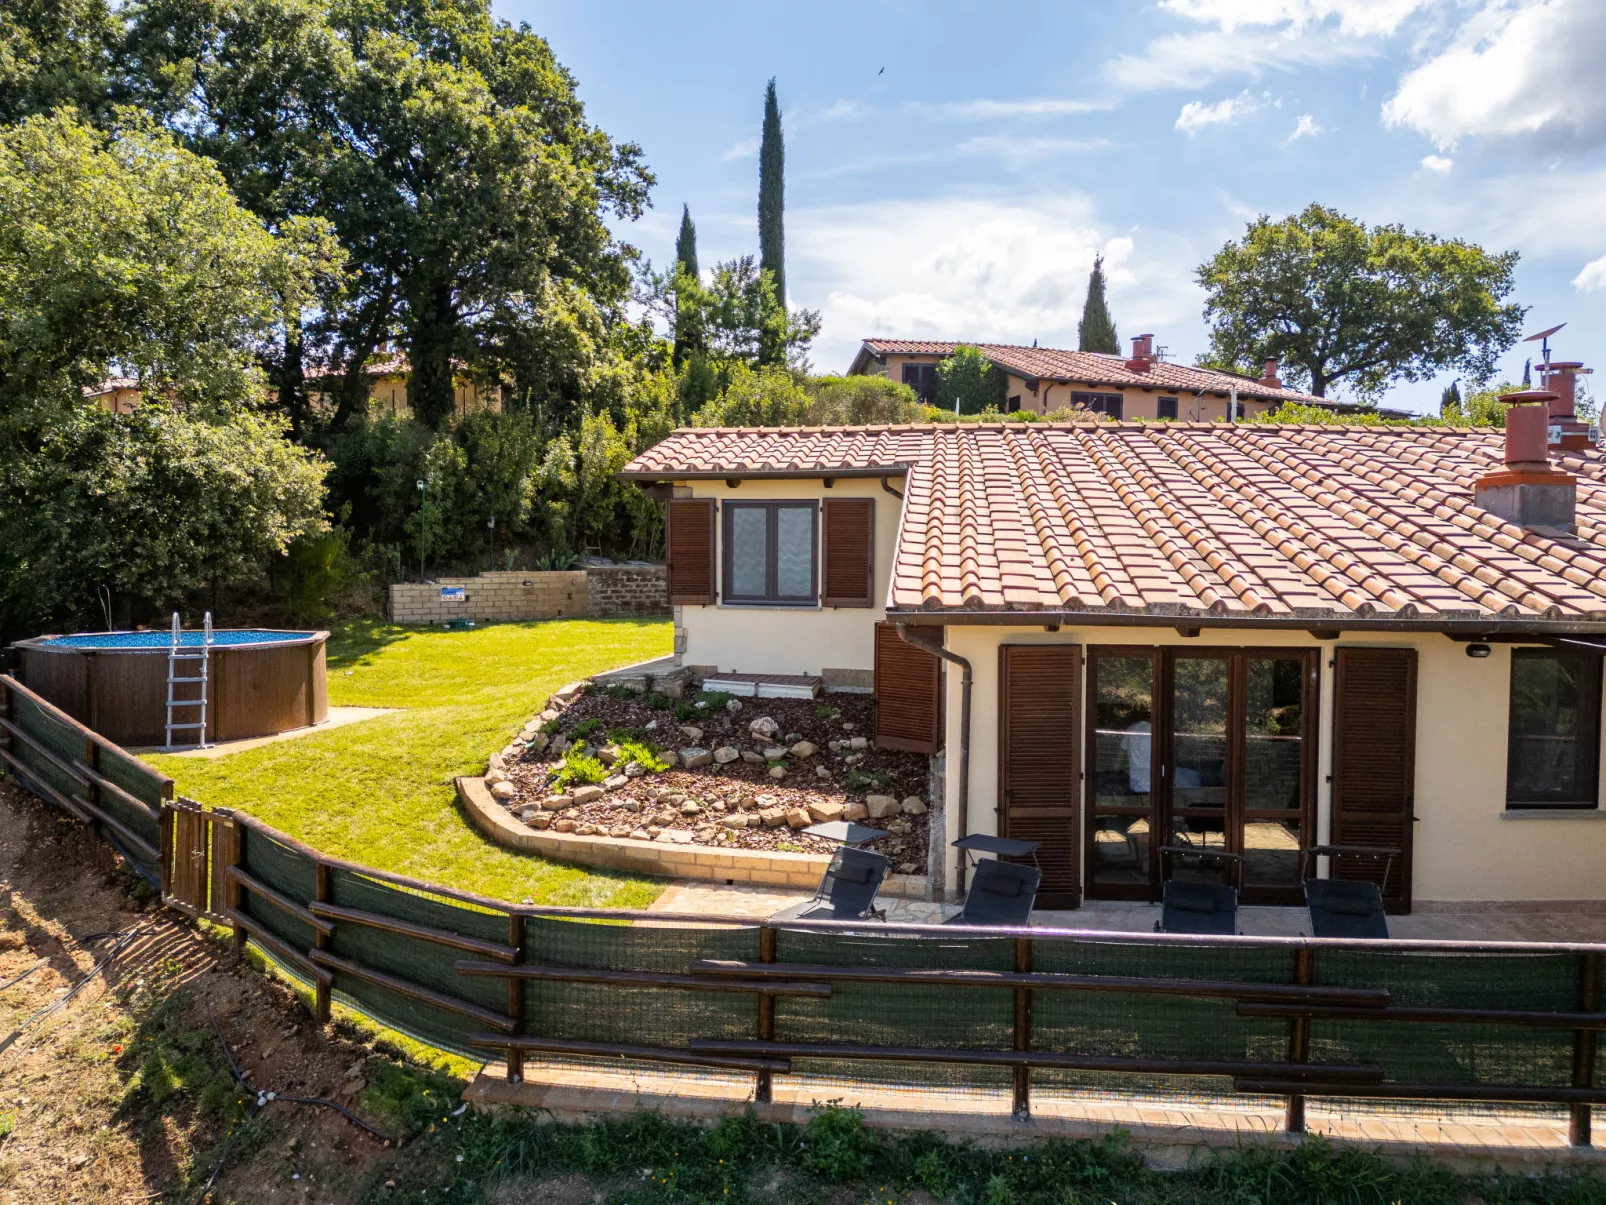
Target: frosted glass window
x,y
770,550
749,552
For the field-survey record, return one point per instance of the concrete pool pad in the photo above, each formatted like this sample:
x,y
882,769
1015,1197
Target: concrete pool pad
x,y
339,717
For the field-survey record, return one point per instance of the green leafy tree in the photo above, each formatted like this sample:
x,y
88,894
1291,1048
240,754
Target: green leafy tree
x,y
1339,302
1096,330
771,210
53,53
861,401
968,382
756,397
194,501
687,286
1450,399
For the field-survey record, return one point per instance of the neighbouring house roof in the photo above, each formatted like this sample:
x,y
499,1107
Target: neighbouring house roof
x,y
110,385
1061,365
1146,522
383,366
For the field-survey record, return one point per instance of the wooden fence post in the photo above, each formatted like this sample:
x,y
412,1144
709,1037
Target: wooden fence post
x,y
766,1015
517,934
1299,1037
164,847
5,714
232,892
1023,1030
92,791
1579,1124
320,992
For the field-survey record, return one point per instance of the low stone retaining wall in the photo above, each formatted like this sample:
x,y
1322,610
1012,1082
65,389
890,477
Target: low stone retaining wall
x,y
799,872
602,590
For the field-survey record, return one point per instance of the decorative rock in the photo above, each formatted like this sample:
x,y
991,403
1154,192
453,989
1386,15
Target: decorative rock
x,y
675,836
774,752
559,743
691,809
546,717
665,819
608,754
652,831
640,834
670,758
703,836
572,814
738,820
504,790
630,805
556,803
765,801
531,728
858,743
773,817
822,772
881,806
725,754
855,811
914,806
805,749
496,762
901,827
751,758
587,793
733,706
565,825
692,732
777,772
792,738
797,818
827,809
763,728
585,830
834,746
540,741
635,770
564,693
651,726
615,782
539,820
693,758
619,830
492,777
847,725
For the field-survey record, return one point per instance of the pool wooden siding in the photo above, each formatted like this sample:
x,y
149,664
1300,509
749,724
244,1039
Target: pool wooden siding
x,y
254,689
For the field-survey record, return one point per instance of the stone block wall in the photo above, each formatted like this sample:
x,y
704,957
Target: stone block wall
x,y
513,596
627,590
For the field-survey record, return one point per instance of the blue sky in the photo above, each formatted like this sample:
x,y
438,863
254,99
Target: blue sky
x,y
963,191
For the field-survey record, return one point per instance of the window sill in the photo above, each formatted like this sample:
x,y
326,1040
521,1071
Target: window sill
x,y
1553,814
770,606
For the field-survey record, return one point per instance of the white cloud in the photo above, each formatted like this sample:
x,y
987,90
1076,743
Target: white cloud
x,y
1361,18
1437,163
745,148
1305,127
1196,115
1024,152
1517,69
977,268
1038,106
1593,278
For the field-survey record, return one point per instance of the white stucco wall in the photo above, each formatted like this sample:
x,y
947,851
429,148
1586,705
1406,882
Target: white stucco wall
x,y
1466,846
750,639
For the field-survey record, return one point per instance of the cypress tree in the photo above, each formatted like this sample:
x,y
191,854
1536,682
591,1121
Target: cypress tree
x,y
1096,331
771,195
688,327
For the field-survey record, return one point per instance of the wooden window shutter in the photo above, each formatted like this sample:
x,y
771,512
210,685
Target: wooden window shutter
x,y
689,526
908,694
1038,748
848,579
1374,764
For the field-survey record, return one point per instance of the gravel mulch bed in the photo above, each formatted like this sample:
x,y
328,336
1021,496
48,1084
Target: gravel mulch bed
x,y
705,804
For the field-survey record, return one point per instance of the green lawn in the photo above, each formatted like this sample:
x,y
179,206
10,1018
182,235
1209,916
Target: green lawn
x,y
380,791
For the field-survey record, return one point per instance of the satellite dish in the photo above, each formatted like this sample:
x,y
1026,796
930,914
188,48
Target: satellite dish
x,y
1543,334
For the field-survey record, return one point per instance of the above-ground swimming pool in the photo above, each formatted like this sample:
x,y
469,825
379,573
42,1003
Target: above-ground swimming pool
x,y
261,681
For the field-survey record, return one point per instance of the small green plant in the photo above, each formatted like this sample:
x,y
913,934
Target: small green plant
x,y
836,1146
621,692
866,780
714,700
686,711
585,728
557,561
658,702
550,728
827,712
643,754
578,769
620,735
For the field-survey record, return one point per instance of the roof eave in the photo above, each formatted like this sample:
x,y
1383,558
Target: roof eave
x,y
1528,626
737,474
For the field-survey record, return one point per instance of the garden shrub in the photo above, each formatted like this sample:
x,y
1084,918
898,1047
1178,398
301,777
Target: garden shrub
x,y
866,780
836,1146
585,728
621,692
578,768
714,700
644,755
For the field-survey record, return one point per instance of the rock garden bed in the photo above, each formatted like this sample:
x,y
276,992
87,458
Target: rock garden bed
x,y
711,770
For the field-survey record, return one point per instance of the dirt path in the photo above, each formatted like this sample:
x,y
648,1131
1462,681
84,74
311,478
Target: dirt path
x,y
123,1093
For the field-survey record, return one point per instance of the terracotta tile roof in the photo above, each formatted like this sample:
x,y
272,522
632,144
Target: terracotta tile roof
x,y
1095,368
1196,519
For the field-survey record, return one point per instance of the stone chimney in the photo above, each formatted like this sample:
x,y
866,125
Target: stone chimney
x,y
1269,378
1142,353
1529,490
1560,377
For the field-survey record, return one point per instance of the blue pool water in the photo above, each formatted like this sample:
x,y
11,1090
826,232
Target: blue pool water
x,y
222,638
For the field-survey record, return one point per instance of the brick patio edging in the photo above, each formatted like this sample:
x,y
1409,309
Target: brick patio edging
x,y
799,872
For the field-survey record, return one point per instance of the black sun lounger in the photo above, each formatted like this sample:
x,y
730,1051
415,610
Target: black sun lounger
x,y
848,890
1188,907
1001,893
1348,907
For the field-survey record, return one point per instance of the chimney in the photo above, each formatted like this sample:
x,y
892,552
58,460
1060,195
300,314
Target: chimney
x,y
1270,378
1561,378
1142,353
1529,490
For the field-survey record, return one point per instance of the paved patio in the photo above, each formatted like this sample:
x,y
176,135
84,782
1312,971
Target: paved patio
x,y
1435,921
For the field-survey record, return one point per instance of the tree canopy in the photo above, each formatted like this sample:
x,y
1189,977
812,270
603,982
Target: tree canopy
x,y
968,382
1341,303
771,208
1096,330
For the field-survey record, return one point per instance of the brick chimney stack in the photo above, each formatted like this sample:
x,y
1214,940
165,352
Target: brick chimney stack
x,y
1142,353
1269,377
1528,490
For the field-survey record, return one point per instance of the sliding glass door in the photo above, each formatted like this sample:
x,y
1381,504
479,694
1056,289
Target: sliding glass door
x,y
1197,751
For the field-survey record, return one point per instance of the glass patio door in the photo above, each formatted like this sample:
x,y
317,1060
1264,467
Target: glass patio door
x,y
1199,751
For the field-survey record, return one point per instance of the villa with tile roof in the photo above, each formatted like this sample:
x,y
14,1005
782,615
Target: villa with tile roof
x,y
1143,385
1120,638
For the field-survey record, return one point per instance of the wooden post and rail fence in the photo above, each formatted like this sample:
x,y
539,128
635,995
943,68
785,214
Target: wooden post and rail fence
x,y
1022,1010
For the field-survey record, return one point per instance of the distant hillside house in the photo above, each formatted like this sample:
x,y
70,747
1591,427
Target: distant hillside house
x,y
387,390
1045,379
119,395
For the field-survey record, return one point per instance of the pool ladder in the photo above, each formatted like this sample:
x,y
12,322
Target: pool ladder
x,y
179,674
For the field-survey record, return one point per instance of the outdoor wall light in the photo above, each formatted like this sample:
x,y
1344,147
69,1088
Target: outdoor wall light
x,y
1478,650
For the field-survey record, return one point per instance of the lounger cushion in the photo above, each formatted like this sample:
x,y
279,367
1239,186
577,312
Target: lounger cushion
x,y
1348,905
863,872
1006,888
1184,898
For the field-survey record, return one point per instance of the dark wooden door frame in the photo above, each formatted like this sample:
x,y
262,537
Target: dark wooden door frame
x,y
1090,658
